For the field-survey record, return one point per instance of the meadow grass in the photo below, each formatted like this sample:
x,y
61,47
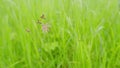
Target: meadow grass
x,y
82,34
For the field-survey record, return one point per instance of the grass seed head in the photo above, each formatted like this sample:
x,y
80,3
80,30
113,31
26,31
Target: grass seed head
x,y
43,16
27,30
39,22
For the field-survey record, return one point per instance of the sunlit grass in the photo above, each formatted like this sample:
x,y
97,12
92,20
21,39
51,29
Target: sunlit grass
x,y
82,34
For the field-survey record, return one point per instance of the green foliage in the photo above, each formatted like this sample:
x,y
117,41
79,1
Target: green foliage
x,y
82,34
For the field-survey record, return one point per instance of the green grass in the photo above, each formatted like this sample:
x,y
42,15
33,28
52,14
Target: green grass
x,y
83,34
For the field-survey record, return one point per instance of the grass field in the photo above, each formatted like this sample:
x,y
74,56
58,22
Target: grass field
x,y
81,34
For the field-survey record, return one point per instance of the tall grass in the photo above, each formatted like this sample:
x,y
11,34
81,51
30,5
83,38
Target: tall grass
x,y
82,34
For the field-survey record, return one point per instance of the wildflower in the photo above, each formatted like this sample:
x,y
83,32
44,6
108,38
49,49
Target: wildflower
x,y
45,27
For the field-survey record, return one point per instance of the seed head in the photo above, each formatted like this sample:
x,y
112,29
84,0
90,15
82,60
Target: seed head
x,y
27,30
39,22
43,16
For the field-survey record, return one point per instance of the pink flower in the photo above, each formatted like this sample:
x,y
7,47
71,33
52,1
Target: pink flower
x,y
45,27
